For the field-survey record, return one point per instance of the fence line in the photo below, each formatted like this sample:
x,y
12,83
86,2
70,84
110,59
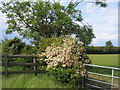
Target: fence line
x,y
102,66
112,76
103,75
21,64
18,56
5,64
19,72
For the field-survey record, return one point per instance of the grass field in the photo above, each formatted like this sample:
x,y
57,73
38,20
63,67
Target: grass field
x,y
30,81
110,60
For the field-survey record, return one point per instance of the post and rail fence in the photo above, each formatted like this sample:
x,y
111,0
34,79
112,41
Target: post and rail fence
x,y
112,84
6,64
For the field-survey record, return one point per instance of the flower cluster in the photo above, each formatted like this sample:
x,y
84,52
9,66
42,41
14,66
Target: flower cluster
x,y
68,54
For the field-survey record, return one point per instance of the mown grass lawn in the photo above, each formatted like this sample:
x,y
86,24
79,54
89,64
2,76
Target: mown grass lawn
x,y
110,60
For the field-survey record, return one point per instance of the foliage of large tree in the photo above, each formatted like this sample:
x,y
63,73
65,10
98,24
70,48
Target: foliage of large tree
x,y
35,20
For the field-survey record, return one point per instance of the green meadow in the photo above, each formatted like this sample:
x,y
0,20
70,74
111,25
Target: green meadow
x,y
30,81
110,60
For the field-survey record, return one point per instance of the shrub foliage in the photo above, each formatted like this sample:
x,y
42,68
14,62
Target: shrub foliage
x,y
16,46
65,58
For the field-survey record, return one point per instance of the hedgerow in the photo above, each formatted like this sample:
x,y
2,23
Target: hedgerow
x,y
65,58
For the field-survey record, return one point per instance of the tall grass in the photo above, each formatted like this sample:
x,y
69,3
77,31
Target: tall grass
x,y
30,81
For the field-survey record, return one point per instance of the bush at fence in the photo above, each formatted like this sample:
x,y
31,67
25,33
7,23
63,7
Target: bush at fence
x,y
65,58
16,46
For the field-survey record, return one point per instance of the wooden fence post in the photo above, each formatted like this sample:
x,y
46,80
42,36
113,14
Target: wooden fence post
x,y
34,67
5,64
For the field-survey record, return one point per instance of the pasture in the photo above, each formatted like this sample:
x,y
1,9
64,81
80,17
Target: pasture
x,y
110,60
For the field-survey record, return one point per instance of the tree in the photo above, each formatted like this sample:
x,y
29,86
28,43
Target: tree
x,y
85,34
12,46
35,20
109,44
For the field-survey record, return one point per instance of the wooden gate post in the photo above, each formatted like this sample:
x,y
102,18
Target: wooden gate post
x,y
35,67
5,64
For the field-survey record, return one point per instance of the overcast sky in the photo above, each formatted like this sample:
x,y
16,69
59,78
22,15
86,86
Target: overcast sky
x,y
103,20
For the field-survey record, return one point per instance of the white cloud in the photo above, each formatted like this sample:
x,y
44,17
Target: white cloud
x,y
104,36
103,20
112,0
4,0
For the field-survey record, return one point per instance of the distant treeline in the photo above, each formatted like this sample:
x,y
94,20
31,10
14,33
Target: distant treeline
x,y
16,46
102,50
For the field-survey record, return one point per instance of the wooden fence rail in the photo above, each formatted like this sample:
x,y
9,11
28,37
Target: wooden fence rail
x,y
21,64
6,64
19,56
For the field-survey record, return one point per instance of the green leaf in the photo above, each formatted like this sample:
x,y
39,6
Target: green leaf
x,y
8,31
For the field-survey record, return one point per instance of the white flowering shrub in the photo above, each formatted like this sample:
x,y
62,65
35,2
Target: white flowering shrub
x,y
65,58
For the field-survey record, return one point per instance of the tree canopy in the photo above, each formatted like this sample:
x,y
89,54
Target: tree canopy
x,y
35,20
12,46
109,44
16,46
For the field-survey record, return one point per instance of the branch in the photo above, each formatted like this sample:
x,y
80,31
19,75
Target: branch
x,y
24,22
77,3
71,1
68,4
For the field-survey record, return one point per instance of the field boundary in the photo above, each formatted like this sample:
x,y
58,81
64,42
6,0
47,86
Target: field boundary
x,y
6,64
110,85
